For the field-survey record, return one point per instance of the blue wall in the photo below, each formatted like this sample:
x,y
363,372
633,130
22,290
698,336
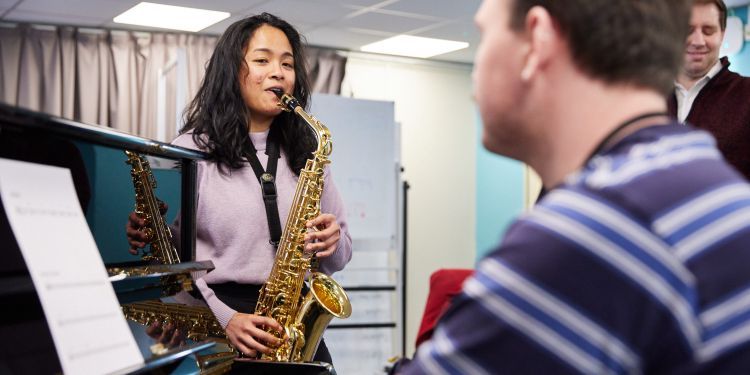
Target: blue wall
x,y
499,195
741,61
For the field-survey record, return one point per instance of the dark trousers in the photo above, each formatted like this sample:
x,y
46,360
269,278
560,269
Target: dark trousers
x,y
244,297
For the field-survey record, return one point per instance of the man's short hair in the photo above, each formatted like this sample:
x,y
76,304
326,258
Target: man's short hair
x,y
638,42
722,10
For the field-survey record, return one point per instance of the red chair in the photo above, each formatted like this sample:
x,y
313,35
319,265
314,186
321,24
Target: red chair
x,y
444,285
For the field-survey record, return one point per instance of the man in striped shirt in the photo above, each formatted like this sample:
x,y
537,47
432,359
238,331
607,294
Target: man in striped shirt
x,y
637,259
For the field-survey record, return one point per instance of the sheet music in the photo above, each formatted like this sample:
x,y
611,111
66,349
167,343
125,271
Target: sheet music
x,y
89,331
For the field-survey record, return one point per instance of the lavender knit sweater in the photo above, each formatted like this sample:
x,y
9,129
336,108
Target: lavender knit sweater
x,y
231,224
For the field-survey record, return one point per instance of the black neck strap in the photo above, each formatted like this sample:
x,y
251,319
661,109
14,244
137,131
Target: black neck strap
x,y
267,181
618,129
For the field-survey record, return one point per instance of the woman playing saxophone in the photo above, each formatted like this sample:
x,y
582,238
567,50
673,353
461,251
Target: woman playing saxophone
x,y
235,118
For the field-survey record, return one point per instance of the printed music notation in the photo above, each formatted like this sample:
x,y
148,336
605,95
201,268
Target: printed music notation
x,y
66,269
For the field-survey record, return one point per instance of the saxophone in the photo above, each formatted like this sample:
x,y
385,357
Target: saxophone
x,y
304,320
162,249
198,322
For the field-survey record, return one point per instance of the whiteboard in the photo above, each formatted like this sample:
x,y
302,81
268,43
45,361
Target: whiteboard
x,y
366,170
364,161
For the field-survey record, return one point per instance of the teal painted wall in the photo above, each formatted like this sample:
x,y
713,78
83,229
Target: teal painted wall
x,y
741,61
499,195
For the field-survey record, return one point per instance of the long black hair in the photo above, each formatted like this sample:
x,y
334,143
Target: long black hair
x,y
218,116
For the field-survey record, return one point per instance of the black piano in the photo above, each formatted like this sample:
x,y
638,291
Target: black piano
x,y
104,186
148,291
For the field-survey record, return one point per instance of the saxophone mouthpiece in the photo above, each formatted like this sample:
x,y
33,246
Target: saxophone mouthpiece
x,y
279,92
287,102
281,95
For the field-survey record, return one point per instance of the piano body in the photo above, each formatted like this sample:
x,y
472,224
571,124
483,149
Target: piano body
x,y
148,291
96,159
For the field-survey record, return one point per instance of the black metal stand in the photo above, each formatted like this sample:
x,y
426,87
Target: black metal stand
x,y
403,272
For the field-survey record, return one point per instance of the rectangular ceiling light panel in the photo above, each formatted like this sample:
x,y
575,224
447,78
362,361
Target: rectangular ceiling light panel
x,y
414,46
170,17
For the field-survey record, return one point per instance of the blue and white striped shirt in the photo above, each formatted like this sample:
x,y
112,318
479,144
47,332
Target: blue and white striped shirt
x,y
638,263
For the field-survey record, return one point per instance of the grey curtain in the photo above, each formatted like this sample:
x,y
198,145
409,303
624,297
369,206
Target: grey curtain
x,y
109,77
99,77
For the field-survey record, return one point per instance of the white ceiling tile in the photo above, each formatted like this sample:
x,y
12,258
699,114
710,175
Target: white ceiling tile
x,y
460,31
219,27
465,55
78,9
6,4
382,22
449,9
335,38
304,12
51,18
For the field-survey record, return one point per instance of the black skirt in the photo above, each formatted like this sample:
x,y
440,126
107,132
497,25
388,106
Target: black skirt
x,y
244,297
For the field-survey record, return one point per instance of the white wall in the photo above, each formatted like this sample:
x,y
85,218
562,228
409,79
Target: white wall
x,y
438,147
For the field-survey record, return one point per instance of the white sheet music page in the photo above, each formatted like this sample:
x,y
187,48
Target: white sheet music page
x,y
90,333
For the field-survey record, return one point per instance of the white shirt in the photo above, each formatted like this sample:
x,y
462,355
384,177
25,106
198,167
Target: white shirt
x,y
685,97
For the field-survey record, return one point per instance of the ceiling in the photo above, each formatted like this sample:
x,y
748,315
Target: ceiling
x,y
340,24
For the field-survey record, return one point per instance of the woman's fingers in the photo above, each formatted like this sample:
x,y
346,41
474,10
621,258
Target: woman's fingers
x,y
327,252
245,350
136,237
251,345
167,332
247,334
324,240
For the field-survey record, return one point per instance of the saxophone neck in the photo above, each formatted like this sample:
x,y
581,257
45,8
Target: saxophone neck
x,y
289,103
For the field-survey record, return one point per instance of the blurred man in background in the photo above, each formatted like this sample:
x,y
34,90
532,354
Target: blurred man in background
x,y
707,94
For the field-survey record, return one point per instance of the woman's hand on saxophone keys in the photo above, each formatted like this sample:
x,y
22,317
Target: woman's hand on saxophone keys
x,y
137,238
167,334
246,333
323,233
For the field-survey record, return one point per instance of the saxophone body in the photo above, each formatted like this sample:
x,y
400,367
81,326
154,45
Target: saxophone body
x,y
303,320
197,322
162,249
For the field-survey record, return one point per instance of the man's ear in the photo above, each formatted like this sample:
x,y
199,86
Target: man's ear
x,y
542,38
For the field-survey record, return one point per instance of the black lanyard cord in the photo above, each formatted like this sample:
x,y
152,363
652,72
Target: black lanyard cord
x,y
608,138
